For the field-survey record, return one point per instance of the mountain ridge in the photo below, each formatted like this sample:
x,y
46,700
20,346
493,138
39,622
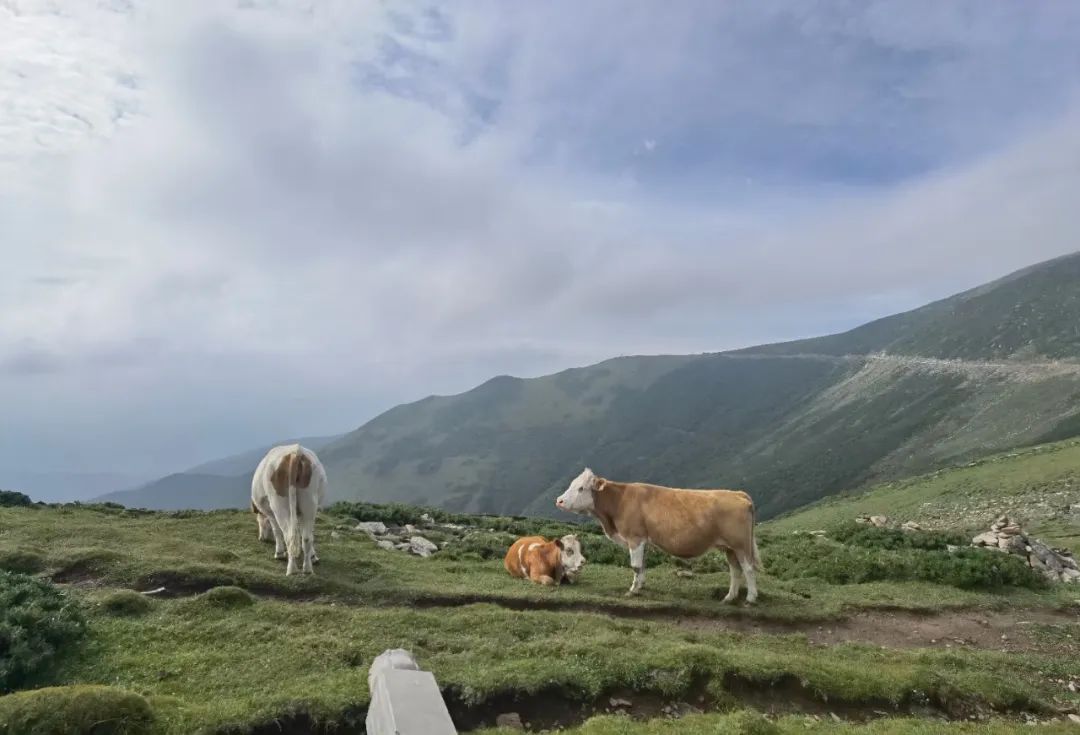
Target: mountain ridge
x,y
790,422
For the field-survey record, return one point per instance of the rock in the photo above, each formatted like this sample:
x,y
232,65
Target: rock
x,y
879,521
1010,530
373,528
911,526
620,703
511,720
335,534
1070,576
985,539
1013,545
426,518
1074,719
403,546
385,545
421,546
410,529
951,549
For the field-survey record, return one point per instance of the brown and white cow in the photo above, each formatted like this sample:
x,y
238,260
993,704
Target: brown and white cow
x,y
545,562
684,523
287,489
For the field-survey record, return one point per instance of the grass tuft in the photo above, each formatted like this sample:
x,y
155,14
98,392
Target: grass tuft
x,y
75,710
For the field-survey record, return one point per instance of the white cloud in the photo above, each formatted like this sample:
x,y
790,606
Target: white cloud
x,y
355,204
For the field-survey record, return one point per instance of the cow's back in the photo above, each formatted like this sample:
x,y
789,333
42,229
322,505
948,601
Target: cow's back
x,y
514,562
687,523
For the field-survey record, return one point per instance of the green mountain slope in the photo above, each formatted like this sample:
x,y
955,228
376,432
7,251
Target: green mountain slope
x,y
789,423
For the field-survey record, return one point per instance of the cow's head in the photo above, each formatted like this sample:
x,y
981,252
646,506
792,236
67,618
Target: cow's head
x,y
570,553
578,497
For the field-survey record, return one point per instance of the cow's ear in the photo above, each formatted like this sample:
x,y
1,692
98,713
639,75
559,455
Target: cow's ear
x,y
558,542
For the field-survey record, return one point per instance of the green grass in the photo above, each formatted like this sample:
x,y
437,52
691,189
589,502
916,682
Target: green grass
x,y
245,645
205,667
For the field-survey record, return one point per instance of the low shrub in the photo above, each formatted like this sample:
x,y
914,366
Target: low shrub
x,y
125,603
22,561
75,710
37,623
803,557
871,537
12,499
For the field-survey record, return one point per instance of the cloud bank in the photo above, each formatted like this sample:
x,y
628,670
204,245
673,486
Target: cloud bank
x,y
223,225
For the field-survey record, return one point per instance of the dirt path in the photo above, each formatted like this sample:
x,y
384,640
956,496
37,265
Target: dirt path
x,y
1043,631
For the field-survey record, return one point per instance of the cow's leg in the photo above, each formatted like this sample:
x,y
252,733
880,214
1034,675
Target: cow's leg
x,y
747,564
637,563
736,575
279,538
309,552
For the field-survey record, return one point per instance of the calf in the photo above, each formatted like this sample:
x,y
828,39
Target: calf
x,y
545,562
287,489
683,523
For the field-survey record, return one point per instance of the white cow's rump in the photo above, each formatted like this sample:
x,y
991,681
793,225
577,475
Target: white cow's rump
x,y
287,490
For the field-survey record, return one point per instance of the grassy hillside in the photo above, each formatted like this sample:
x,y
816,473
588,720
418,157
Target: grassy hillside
x,y
1040,486
789,427
207,655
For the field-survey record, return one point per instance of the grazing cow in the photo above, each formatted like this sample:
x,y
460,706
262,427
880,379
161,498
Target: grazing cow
x,y
545,562
684,523
287,489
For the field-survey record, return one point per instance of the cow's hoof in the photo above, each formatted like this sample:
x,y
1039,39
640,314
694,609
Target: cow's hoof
x,y
728,600
314,560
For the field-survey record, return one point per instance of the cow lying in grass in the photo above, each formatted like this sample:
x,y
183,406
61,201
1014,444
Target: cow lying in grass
x,y
287,489
683,523
545,562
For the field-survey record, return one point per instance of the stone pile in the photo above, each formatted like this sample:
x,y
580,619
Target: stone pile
x,y
1057,565
398,538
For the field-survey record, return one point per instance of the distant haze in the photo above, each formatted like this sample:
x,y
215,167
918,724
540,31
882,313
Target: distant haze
x,y
224,224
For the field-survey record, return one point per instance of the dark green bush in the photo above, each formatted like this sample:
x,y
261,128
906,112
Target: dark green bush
x,y
804,557
871,537
38,622
75,710
478,547
12,499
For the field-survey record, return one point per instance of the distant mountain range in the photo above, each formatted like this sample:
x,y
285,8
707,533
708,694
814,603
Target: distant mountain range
x,y
990,369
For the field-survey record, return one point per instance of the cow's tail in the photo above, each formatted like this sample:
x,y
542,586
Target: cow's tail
x,y
755,558
293,540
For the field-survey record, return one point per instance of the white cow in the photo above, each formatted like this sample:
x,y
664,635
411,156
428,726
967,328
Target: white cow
x,y
287,490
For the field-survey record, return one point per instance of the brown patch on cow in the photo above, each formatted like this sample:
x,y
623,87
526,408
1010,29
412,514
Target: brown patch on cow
x,y
303,469
535,558
282,474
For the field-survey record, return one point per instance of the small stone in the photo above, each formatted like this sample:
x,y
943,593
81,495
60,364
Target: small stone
x,y
623,703
879,521
985,539
376,528
335,534
1074,719
426,518
684,573
385,545
511,720
421,546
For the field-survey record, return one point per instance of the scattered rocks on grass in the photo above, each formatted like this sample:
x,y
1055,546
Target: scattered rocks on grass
x,y
1006,535
372,528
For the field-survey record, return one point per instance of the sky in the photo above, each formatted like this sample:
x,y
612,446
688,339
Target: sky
x,y
223,224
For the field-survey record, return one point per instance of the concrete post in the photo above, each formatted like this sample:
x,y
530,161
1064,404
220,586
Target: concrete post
x,y
404,699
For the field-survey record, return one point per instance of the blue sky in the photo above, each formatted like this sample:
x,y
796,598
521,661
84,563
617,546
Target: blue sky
x,y
205,207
